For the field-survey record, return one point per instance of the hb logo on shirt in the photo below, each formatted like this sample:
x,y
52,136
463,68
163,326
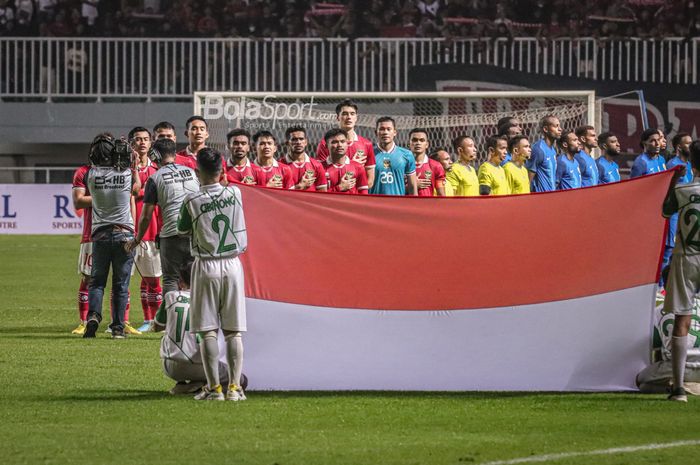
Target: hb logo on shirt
x,y
114,180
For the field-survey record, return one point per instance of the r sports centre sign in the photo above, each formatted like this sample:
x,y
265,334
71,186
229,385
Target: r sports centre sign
x,y
38,209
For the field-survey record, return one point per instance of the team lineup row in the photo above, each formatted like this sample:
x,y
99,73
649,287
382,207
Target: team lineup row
x,y
161,178
557,160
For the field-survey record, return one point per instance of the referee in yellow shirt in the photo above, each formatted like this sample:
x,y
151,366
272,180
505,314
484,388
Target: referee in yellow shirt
x,y
462,178
492,176
516,173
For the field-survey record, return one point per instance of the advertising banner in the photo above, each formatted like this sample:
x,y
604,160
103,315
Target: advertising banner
x,y
38,209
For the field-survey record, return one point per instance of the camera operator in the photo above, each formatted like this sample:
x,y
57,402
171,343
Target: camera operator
x,y
167,188
111,181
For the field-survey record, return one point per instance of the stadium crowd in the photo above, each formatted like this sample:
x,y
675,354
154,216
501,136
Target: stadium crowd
x,y
350,18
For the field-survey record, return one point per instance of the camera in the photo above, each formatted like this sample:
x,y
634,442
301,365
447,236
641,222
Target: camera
x,y
106,151
121,155
155,156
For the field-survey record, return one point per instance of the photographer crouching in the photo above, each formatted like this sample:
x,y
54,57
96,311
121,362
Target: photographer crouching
x,y
111,181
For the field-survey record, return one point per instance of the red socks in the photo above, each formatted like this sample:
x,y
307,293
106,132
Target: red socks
x,y
151,297
83,305
144,298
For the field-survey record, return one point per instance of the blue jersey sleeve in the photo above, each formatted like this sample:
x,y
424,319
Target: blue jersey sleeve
x,y
581,163
601,171
410,163
588,168
675,161
672,230
639,168
688,173
606,172
561,170
536,158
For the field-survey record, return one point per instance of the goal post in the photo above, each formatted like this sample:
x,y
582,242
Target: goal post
x,y
445,115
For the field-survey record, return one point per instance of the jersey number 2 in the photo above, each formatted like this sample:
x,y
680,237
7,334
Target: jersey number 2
x,y
693,234
223,233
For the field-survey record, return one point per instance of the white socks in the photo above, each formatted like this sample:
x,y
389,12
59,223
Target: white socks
x,y
679,354
210,357
234,357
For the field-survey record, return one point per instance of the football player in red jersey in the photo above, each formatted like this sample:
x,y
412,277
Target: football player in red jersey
x,y
430,174
197,133
442,156
83,201
307,173
164,130
360,150
272,173
238,167
147,258
344,175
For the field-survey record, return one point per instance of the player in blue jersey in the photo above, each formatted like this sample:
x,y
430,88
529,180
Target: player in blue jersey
x,y
542,164
396,166
510,128
681,148
589,171
568,170
650,161
608,169
666,152
511,122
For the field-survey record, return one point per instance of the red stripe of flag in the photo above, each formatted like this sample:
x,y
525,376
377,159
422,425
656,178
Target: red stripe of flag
x,y
394,253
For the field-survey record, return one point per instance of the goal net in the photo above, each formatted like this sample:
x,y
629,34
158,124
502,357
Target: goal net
x,y
445,115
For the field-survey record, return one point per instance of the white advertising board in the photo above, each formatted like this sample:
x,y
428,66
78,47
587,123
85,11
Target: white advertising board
x,y
38,209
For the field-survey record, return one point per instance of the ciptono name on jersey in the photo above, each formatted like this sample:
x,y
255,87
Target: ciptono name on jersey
x,y
218,204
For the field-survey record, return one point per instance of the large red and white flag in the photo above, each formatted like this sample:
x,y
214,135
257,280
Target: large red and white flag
x,y
534,292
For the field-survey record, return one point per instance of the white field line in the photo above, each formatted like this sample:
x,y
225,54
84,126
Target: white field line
x,y
615,450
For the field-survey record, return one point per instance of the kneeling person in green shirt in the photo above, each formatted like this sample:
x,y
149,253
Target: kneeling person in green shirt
x,y
179,348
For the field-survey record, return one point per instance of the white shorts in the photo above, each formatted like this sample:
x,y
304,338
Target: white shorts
x,y
187,371
85,259
682,284
147,260
217,295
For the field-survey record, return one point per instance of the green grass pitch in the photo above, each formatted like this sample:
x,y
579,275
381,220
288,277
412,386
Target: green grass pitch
x,y
68,400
